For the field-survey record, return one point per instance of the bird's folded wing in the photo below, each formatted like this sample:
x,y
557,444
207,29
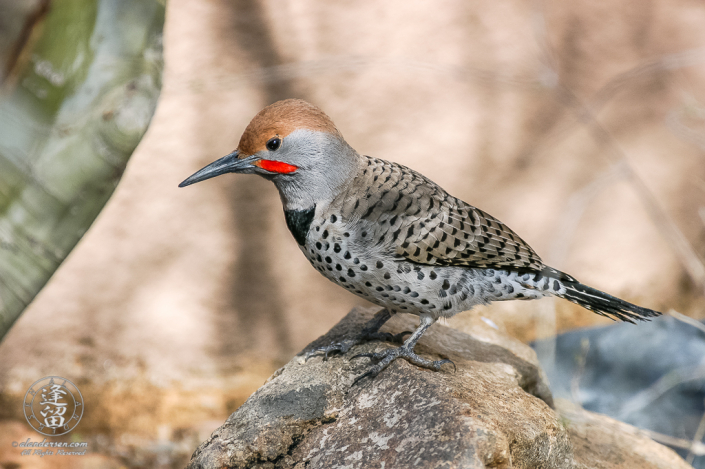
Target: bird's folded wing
x,y
462,235
422,223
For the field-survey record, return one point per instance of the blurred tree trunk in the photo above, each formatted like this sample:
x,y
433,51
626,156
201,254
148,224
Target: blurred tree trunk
x,y
79,90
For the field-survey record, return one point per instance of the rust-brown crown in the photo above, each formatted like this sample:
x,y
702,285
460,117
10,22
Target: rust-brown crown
x,y
280,119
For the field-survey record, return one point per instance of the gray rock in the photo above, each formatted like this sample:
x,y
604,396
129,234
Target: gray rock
x,y
494,411
651,376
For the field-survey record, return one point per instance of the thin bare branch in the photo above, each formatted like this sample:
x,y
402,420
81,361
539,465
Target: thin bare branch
x,y
343,63
698,449
697,439
574,211
682,131
685,252
664,384
686,319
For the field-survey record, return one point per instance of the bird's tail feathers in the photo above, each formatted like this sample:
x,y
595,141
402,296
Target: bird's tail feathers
x,y
604,304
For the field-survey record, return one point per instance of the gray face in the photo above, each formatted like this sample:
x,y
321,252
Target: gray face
x,y
325,162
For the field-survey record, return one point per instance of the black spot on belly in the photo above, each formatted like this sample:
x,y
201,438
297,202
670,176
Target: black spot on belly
x,y
299,222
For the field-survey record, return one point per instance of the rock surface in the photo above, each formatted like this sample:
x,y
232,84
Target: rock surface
x,y
600,442
494,411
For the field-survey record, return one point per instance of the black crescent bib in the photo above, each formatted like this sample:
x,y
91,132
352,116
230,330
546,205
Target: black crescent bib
x,y
299,221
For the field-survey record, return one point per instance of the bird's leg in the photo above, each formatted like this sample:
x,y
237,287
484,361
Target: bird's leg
x,y
406,352
370,331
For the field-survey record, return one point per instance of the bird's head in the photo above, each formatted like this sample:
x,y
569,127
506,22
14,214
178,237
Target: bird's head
x,y
295,145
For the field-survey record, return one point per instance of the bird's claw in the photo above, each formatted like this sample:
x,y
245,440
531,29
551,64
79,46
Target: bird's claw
x,y
370,373
363,355
446,360
386,357
338,347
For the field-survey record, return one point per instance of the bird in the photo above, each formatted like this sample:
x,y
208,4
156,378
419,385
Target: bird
x,y
391,235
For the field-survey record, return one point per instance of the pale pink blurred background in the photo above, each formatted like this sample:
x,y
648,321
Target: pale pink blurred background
x,y
581,125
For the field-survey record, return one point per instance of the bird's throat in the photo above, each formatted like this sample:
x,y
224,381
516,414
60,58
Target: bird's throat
x,y
299,222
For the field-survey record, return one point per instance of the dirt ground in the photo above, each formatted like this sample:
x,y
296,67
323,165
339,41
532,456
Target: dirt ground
x,y
581,125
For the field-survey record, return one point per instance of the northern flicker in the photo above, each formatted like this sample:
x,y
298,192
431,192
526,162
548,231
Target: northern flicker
x,y
390,235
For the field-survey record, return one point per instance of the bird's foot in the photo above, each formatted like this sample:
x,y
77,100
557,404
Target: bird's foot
x,y
370,331
406,351
345,345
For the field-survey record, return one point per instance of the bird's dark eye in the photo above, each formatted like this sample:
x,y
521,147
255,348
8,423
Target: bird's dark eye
x,y
274,143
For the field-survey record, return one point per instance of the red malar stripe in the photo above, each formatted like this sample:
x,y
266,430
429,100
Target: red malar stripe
x,y
276,166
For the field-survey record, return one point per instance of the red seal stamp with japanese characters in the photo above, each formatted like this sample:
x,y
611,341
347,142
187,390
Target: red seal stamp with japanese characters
x,y
53,406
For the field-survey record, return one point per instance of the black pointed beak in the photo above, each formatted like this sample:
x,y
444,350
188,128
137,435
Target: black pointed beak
x,y
227,164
